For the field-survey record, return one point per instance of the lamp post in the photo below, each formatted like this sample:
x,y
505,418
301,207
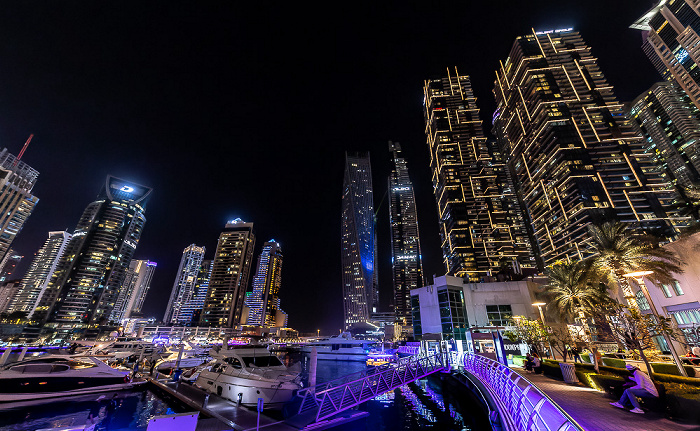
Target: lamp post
x,y
544,328
639,278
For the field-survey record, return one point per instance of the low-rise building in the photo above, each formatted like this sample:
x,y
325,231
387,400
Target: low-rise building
x,y
451,305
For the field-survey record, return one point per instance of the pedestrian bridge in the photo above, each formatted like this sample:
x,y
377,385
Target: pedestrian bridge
x,y
518,404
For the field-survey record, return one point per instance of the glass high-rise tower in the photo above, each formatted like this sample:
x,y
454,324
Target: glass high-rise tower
x,y
133,293
406,259
264,303
230,275
671,41
40,271
670,122
89,277
575,155
358,242
17,202
185,286
481,223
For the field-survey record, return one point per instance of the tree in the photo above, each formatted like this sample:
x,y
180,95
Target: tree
x,y
530,331
573,289
618,252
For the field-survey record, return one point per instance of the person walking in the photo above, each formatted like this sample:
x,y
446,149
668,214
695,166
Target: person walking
x,y
643,388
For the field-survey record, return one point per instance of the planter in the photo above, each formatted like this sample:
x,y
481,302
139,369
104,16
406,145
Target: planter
x,y
568,372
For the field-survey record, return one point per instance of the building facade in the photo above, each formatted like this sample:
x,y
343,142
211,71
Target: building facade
x,y
40,272
481,223
133,292
264,303
670,123
406,257
672,43
574,153
17,202
451,305
230,276
358,244
9,264
184,289
86,284
8,293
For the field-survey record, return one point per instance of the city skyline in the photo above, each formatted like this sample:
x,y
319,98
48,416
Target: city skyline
x,y
142,102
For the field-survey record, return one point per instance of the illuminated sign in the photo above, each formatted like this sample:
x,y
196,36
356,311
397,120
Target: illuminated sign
x,y
127,189
401,189
406,256
559,30
681,55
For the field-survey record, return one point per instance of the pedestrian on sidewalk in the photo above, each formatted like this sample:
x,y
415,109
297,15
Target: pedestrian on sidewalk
x,y
536,364
528,363
643,387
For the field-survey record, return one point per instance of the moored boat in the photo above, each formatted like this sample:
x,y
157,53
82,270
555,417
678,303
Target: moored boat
x,y
59,376
341,347
244,374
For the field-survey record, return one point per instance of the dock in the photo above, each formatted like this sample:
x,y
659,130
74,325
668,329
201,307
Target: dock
x,y
229,416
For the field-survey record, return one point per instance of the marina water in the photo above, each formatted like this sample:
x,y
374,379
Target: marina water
x,y
416,406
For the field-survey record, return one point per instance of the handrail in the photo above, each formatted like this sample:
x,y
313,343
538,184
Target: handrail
x,y
522,405
330,398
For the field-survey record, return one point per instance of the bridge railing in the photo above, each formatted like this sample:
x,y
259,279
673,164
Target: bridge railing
x,y
330,398
522,405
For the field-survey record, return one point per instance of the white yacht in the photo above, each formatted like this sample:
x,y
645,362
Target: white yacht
x,y
53,376
191,357
245,373
340,348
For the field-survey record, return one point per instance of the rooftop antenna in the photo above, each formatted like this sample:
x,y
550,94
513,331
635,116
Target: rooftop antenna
x,y
26,144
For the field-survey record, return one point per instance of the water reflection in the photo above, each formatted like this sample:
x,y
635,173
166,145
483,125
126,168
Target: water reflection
x,y
116,411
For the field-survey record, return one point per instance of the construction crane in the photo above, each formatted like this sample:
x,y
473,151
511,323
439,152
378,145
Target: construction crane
x,y
26,144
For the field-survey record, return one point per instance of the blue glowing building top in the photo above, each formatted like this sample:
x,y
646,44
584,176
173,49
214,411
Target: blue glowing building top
x,y
358,241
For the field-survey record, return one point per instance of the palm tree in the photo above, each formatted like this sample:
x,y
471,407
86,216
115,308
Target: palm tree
x,y
573,290
618,252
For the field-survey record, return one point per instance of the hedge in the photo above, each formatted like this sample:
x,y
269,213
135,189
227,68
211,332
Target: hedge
x,y
676,379
551,369
613,362
666,368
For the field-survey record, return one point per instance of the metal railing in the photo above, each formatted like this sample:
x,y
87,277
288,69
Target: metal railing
x,y
521,404
330,398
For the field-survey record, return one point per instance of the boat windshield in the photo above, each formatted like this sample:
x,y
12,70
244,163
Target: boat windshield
x,y
52,366
262,361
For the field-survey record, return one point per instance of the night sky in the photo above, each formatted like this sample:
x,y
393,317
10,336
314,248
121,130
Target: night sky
x,y
230,109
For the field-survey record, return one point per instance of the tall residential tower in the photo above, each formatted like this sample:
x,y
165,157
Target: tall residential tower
x,y
230,275
576,157
358,242
406,259
481,223
133,293
184,289
264,302
91,272
40,272
17,202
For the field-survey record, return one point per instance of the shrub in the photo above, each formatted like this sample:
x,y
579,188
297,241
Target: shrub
x,y
609,384
551,369
586,358
670,378
613,362
666,368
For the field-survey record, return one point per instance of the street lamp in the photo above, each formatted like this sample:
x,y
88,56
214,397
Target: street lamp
x,y
544,328
638,276
318,333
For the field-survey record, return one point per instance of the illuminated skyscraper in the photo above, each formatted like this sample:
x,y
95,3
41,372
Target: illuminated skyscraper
x,y
406,259
184,289
576,157
86,284
9,264
133,292
264,302
668,120
17,180
230,275
40,271
358,242
481,224
672,43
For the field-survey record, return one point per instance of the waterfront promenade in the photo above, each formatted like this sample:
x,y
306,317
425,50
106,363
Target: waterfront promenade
x,y
592,409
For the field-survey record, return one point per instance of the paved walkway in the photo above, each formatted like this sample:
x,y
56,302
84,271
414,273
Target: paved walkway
x,y
591,409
